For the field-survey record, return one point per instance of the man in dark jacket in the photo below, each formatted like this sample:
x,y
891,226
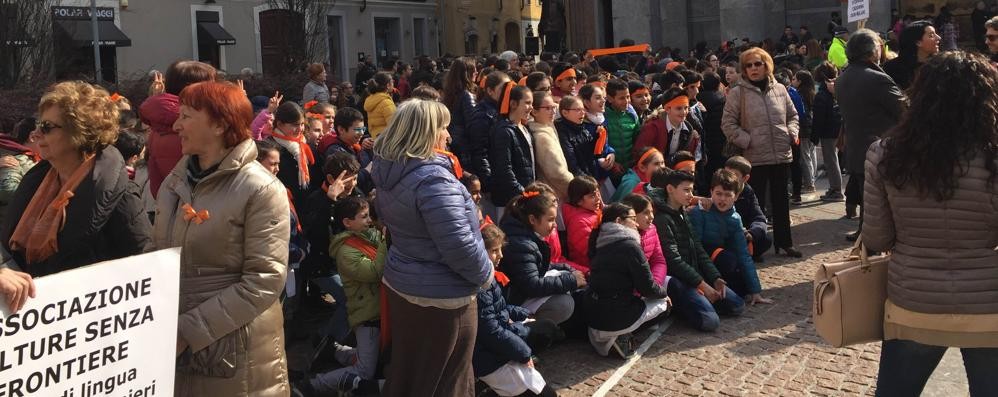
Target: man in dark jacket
x,y
695,286
747,206
870,104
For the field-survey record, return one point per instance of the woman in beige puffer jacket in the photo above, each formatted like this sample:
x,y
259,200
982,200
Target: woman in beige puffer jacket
x,y
761,120
230,216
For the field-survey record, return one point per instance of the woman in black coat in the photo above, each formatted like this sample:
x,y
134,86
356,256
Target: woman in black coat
x,y
78,206
618,268
458,96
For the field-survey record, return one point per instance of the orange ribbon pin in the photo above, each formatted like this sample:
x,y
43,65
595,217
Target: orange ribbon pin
x,y
197,216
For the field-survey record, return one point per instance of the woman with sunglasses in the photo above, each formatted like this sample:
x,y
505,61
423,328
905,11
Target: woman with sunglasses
x,y
551,166
76,207
760,118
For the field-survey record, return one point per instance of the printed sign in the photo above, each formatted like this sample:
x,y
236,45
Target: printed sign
x,y
105,329
858,10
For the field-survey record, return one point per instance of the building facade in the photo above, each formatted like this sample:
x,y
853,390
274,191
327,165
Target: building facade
x,y
485,26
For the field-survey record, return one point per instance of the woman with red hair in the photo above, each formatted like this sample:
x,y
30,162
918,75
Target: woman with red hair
x,y
230,339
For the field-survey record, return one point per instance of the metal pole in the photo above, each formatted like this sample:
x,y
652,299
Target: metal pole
x,y
98,76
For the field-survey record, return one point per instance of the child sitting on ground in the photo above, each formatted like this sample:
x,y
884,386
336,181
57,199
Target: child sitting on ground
x,y
553,239
747,205
635,180
720,231
360,256
619,268
650,242
581,214
502,357
695,286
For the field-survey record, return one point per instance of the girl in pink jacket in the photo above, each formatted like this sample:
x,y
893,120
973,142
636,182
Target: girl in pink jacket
x,y
650,243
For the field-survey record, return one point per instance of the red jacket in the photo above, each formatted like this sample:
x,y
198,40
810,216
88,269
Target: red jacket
x,y
160,112
579,223
556,254
655,134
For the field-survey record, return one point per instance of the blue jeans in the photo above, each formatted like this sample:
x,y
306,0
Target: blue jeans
x,y
696,309
906,365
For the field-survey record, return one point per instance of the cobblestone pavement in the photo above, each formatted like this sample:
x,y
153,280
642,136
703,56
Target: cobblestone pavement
x,y
770,350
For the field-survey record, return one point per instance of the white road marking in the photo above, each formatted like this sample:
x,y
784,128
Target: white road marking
x,y
622,370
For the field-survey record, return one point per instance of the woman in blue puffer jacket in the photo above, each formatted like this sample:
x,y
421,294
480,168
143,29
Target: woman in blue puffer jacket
x,y
437,261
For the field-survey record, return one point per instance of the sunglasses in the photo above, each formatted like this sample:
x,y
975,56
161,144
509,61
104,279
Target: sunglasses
x,y
755,64
46,127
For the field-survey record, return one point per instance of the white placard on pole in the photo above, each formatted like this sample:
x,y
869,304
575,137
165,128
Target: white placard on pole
x,y
858,10
106,329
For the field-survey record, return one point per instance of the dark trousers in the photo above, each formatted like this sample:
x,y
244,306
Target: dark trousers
x,y
771,181
761,242
796,175
905,367
854,193
697,309
431,349
731,271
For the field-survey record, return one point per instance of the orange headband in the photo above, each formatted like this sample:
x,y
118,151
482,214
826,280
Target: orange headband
x,y
570,72
681,100
640,91
309,104
115,97
504,109
646,155
683,164
599,84
530,194
316,116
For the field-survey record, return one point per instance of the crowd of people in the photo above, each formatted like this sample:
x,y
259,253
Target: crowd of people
x,y
453,221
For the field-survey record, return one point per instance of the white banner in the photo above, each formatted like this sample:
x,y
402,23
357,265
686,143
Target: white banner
x,y
106,329
858,10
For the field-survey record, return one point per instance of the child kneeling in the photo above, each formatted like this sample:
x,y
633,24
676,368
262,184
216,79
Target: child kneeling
x,y
503,356
619,268
360,256
720,231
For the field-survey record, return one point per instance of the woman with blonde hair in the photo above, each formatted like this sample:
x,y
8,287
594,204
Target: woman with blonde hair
x,y
76,207
230,334
437,261
760,118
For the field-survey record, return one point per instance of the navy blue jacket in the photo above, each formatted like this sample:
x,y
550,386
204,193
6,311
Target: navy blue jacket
x,y
578,145
499,340
511,160
437,249
525,260
485,116
826,120
748,208
462,111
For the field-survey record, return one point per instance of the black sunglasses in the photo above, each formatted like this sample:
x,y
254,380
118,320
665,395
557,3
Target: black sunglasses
x,y
46,127
755,64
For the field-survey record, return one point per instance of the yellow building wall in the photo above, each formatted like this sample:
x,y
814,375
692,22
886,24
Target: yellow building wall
x,y
509,27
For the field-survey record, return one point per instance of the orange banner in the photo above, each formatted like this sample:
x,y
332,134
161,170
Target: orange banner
x,y
619,50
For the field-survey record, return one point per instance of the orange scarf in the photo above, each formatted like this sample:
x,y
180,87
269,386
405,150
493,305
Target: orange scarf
x,y
458,171
305,156
369,250
600,140
501,278
294,212
37,233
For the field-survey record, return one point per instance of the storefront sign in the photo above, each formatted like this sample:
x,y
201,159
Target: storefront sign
x,y
106,329
103,13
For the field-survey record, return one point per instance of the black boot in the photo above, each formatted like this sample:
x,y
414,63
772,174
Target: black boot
x,y
850,211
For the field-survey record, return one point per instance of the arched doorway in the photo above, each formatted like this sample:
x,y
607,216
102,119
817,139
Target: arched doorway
x,y
513,37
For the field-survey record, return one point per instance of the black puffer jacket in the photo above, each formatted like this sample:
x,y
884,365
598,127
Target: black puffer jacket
x,y
105,219
713,137
827,121
479,130
525,260
512,160
462,111
618,269
501,337
682,248
578,145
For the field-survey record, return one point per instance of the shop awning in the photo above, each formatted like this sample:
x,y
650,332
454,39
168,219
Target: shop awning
x,y
216,32
81,33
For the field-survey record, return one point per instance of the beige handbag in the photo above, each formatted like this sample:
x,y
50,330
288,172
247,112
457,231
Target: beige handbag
x,y
849,298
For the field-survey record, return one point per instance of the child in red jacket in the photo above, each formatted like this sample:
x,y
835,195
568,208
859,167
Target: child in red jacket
x,y
581,214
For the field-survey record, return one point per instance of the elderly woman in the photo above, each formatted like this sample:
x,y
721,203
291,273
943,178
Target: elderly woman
x,y
930,200
76,207
315,89
230,216
437,261
760,118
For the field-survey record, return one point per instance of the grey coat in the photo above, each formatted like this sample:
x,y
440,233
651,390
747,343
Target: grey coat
x,y
870,104
770,126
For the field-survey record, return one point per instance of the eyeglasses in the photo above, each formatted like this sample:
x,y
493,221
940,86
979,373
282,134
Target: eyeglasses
x,y
46,127
755,64
574,109
991,37
360,130
544,89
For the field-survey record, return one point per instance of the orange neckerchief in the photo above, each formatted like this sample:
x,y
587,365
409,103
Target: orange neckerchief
x,y
501,278
458,171
600,140
365,247
291,203
305,156
37,233
369,250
